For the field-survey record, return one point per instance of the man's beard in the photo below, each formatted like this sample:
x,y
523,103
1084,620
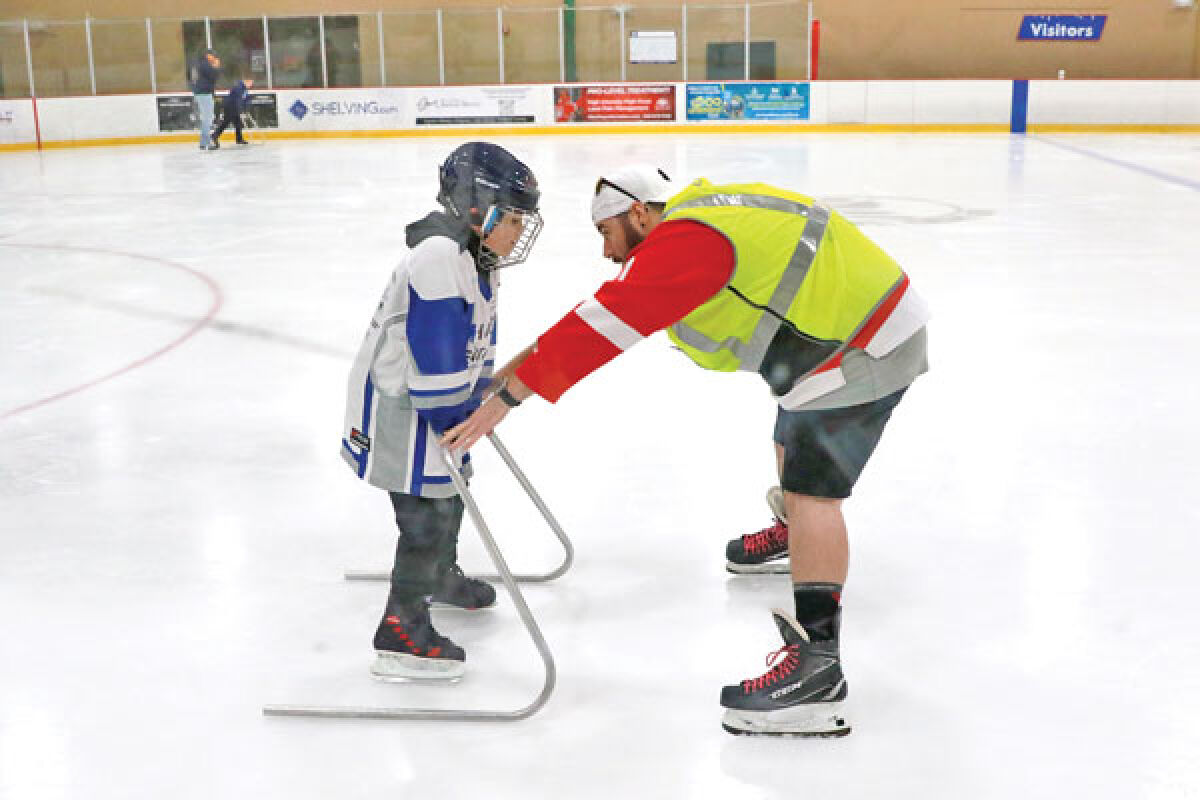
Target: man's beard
x,y
632,238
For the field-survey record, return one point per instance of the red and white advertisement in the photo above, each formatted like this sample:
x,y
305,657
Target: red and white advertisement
x,y
613,103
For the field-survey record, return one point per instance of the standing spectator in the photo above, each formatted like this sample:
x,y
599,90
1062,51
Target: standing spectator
x,y
236,102
204,79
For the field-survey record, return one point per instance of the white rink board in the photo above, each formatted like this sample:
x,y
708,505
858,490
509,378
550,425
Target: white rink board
x,y
110,117
880,103
16,122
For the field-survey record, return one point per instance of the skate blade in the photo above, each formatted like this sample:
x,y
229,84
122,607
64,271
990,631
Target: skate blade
x,y
780,567
402,668
815,720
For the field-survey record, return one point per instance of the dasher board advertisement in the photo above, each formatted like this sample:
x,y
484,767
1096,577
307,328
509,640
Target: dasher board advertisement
x,y
474,105
779,100
178,112
614,103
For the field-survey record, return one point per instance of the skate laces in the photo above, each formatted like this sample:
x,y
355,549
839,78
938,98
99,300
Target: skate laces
x,y
778,671
401,630
766,540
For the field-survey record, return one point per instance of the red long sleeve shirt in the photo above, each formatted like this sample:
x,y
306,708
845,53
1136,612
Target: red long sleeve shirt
x,y
678,267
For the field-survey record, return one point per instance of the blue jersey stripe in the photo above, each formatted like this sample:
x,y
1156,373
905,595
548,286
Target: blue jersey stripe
x,y
359,458
437,392
368,396
418,461
438,332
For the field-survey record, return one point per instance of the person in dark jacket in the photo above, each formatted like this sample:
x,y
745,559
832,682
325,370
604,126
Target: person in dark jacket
x,y
237,101
204,79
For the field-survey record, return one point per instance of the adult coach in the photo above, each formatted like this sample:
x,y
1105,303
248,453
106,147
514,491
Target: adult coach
x,y
204,81
756,278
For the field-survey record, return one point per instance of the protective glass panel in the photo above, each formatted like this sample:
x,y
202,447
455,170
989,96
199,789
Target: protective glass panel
x,y
472,52
14,72
785,28
598,45
60,59
410,49
120,53
716,43
240,44
368,49
296,53
531,46
176,42
342,47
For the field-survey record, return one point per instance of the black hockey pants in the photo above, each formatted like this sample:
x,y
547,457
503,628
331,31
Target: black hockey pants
x,y
427,547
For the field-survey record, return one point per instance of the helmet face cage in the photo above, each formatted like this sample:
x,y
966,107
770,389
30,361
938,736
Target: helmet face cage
x,y
531,226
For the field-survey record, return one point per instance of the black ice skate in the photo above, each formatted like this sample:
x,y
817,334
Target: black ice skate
x,y
799,696
409,648
765,551
460,591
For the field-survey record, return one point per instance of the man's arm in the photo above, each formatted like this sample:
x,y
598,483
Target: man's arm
x,y
508,369
679,267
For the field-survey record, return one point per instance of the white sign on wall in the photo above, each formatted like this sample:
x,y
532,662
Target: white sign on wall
x,y
653,47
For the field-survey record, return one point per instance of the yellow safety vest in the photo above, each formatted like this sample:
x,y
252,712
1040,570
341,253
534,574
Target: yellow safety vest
x,y
797,265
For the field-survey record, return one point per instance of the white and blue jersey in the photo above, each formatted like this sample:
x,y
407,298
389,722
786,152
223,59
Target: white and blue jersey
x,y
427,356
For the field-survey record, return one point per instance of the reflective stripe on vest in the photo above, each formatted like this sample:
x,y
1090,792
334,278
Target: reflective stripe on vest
x,y
750,354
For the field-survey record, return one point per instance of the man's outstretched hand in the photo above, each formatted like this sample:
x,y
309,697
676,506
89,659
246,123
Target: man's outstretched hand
x,y
462,437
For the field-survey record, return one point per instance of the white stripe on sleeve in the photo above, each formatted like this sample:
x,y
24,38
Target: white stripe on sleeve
x,y
608,324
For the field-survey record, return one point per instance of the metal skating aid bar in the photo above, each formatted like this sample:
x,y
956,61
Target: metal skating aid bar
x,y
510,583
568,548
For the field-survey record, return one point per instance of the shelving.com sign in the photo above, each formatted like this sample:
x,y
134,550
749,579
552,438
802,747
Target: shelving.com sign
x,y
1060,28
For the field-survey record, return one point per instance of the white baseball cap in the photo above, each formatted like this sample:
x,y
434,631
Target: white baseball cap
x,y
616,191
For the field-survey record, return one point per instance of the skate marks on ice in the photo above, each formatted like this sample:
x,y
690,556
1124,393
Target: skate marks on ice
x,y
256,332
899,210
211,303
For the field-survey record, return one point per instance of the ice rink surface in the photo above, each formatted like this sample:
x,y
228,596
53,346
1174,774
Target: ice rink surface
x,y
1021,615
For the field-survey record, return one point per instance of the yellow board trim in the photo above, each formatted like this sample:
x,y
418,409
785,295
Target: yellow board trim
x,y
626,130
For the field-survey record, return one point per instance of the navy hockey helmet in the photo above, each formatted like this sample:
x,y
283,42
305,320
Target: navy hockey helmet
x,y
479,183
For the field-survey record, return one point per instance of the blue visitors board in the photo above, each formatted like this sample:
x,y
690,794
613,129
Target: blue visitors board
x,y
1061,28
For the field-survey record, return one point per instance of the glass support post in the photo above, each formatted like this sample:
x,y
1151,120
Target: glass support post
x,y
267,51
324,63
29,60
746,57
382,60
621,16
500,39
441,51
87,32
150,52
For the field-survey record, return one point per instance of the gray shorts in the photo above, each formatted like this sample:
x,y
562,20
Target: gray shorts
x,y
824,451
